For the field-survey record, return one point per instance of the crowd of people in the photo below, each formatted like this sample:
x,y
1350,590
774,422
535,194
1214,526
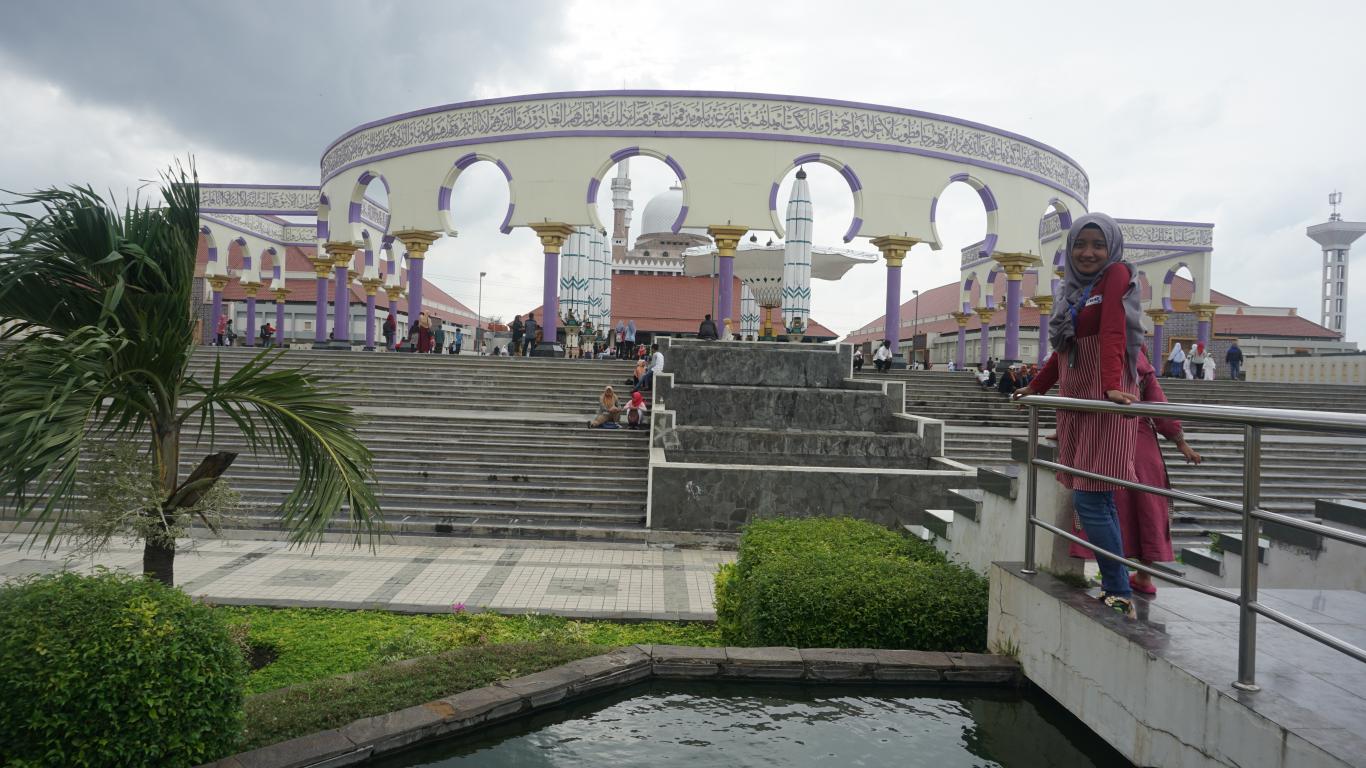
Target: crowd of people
x,y
1199,364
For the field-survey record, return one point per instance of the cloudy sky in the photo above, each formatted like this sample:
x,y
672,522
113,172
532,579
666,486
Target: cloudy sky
x,y
1244,114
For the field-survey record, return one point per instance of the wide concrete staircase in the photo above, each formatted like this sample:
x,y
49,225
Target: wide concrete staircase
x,y
463,446
1297,468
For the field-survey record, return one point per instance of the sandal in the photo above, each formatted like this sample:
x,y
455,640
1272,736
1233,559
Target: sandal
x,y
1142,589
1119,604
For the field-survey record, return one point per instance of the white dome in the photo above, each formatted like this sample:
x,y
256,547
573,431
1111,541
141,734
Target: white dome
x,y
662,211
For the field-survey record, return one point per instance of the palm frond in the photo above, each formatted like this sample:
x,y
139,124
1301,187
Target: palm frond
x,y
290,413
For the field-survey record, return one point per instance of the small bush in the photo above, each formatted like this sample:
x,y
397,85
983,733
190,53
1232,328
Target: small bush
x,y
114,670
844,583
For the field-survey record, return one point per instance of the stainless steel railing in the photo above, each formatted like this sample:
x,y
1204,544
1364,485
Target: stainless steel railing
x,y
1253,421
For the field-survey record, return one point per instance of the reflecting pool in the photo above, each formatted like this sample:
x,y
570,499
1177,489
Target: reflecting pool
x,y
700,725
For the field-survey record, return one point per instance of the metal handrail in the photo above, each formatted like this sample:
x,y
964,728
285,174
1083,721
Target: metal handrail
x,y
1253,421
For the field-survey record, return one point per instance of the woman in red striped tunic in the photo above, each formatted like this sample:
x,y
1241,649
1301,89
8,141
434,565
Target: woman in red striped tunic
x,y
1097,332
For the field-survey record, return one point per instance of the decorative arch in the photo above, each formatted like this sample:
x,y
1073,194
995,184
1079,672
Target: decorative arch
x,y
443,195
353,211
595,183
844,169
1170,277
324,209
988,202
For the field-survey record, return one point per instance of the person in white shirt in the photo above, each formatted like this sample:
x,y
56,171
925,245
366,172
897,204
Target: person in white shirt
x,y
656,367
882,358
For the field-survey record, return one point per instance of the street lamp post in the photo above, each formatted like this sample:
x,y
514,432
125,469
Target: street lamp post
x,y
479,317
915,323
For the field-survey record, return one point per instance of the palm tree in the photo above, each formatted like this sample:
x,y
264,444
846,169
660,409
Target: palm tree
x,y
98,306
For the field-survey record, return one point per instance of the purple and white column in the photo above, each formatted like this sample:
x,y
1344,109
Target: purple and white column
x,y
961,357
892,330
1158,353
550,298
322,267
1012,319
341,305
250,285
985,336
725,293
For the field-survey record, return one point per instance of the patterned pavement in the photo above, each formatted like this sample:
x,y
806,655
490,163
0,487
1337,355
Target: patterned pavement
x,y
567,580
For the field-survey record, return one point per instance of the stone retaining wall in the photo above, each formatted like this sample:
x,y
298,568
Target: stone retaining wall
x,y
467,712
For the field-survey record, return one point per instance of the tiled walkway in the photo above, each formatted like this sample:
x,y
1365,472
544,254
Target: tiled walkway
x,y
567,580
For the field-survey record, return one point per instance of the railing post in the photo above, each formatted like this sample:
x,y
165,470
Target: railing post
x,y
1247,593
1031,491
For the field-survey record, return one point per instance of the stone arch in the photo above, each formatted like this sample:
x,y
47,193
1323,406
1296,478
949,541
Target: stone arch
x,y
443,194
353,211
988,203
843,168
595,183
1171,276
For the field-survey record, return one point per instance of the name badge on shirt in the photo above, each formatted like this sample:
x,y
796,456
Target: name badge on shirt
x,y
1094,300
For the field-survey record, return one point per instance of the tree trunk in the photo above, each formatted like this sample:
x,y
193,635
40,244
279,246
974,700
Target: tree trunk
x,y
158,562
158,557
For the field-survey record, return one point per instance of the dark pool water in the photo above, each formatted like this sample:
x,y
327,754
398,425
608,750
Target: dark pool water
x,y
700,725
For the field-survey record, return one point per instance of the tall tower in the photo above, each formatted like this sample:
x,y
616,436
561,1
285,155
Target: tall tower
x,y
797,254
621,207
1335,237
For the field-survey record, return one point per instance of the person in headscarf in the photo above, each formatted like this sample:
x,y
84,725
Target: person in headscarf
x,y
1097,332
609,409
1145,518
424,332
621,340
1176,362
636,412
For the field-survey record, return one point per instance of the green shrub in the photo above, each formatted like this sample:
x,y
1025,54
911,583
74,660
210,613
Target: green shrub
x,y
114,670
844,583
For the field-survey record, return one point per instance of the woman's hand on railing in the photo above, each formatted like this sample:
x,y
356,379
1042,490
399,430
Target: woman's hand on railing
x,y
1121,397
1017,394
1186,450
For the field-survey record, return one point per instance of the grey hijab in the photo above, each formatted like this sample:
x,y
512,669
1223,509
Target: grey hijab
x,y
1060,331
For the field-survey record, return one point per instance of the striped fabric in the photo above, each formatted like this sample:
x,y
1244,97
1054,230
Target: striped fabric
x,y
1096,442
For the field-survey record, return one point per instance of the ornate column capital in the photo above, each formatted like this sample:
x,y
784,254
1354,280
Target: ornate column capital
x,y
218,282
1044,303
552,234
894,248
280,294
250,289
322,265
962,318
1159,316
417,241
372,285
1204,311
1015,264
985,313
394,292
727,237
340,252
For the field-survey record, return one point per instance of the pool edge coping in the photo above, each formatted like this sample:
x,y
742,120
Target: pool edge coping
x,y
462,713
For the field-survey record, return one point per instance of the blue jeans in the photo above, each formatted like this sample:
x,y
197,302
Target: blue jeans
x,y
1096,510
1233,369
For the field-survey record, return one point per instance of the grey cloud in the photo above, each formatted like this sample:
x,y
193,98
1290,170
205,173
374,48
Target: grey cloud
x,y
275,81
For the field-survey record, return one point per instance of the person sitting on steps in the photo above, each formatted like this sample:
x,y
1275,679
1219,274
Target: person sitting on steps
x,y
637,412
609,410
656,367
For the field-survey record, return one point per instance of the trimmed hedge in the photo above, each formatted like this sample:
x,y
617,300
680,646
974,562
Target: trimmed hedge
x,y
845,583
114,670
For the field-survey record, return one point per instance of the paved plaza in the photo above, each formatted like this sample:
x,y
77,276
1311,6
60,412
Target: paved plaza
x,y
568,580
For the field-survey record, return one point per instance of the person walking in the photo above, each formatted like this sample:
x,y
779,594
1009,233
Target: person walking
x,y
518,333
707,329
621,339
221,332
424,332
1198,358
531,329
390,328
1176,362
459,339
1234,358
1097,334
440,347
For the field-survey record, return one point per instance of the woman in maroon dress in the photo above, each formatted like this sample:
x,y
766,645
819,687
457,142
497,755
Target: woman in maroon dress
x,y
1145,518
1097,331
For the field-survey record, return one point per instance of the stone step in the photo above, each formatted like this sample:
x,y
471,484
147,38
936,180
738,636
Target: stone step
x,y
489,527
494,491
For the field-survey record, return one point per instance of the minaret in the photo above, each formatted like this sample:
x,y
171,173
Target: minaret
x,y
749,313
1335,237
797,254
574,273
621,207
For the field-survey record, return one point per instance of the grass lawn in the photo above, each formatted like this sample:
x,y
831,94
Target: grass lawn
x,y
331,667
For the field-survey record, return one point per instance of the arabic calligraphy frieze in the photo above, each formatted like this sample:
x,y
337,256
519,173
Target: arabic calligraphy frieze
x,y
708,114
256,199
